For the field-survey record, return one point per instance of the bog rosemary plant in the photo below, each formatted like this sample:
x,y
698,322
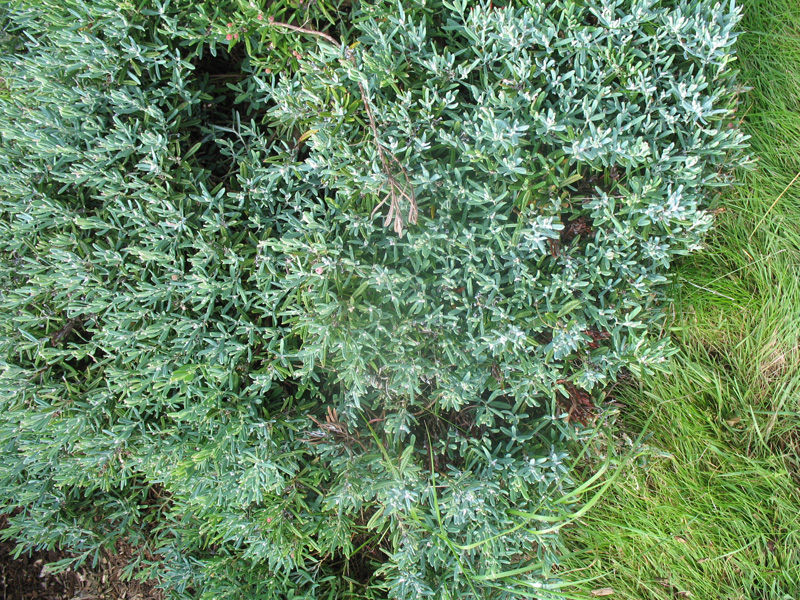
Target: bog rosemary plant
x,y
311,301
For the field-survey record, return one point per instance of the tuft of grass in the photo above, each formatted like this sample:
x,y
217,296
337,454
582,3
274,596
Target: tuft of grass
x,y
711,508
738,304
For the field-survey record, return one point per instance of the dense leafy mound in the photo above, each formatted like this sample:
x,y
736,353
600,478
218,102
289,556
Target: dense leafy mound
x,y
303,300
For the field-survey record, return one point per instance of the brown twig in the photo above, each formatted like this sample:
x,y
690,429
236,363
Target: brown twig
x,y
324,36
332,428
397,191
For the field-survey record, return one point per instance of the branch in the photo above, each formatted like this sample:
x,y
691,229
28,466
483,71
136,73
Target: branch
x,y
324,36
397,190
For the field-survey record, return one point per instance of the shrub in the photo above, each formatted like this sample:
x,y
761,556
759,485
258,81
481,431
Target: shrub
x,y
310,302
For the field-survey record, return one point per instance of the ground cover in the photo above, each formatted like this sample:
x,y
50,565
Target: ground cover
x,y
710,510
312,301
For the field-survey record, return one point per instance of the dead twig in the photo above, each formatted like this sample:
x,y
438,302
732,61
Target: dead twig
x,y
332,428
398,190
324,36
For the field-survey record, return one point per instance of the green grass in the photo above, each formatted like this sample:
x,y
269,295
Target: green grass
x,y
710,509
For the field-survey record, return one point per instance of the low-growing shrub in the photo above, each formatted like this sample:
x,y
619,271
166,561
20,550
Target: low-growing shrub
x,y
310,300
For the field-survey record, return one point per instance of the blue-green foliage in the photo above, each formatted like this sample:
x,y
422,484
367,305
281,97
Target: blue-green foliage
x,y
305,315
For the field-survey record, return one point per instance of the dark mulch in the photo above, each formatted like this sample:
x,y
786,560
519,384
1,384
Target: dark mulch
x,y
26,578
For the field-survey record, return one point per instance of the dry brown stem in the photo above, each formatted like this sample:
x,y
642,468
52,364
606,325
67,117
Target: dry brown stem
x,y
398,190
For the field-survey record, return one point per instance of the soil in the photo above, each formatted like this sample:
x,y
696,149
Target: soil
x,y
26,577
